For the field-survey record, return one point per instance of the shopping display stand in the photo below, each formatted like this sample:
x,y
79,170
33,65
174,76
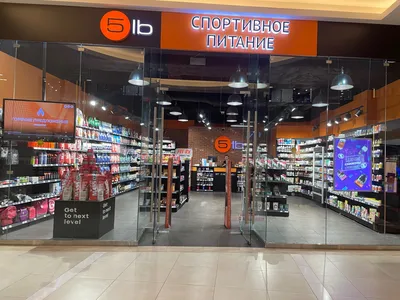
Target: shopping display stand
x,y
83,219
228,196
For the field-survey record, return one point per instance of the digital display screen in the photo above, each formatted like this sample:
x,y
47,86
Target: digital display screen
x,y
39,120
352,161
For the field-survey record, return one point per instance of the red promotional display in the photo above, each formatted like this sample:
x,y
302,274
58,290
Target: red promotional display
x,y
39,120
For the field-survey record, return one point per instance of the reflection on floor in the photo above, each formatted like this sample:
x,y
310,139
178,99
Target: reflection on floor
x,y
168,273
310,223
200,223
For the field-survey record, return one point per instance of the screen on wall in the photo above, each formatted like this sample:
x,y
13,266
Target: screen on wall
x,y
352,165
39,120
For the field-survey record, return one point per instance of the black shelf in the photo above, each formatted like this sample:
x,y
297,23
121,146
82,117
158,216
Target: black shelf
x,y
272,213
351,216
27,222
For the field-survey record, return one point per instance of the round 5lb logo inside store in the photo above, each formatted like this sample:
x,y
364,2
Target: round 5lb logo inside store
x,y
115,26
222,144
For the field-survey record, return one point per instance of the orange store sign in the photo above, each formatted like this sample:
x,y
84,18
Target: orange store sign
x,y
238,34
222,144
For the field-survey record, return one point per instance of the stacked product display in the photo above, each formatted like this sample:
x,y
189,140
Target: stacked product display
x,y
86,183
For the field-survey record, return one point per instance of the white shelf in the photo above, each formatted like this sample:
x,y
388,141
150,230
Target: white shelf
x,y
29,201
28,183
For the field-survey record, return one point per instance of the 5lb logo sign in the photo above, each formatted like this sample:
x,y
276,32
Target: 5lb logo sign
x,y
222,144
116,26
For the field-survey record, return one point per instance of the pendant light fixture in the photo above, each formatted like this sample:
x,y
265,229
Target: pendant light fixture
x,y
175,111
329,124
232,111
235,100
297,114
338,120
162,98
136,77
261,81
320,100
183,118
231,119
342,82
238,80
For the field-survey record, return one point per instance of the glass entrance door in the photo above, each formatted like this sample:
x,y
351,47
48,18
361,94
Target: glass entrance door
x,y
249,176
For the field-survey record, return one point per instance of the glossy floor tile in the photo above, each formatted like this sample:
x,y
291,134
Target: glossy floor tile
x,y
196,273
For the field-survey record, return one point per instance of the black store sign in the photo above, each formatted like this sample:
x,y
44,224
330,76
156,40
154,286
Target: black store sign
x,y
67,24
45,23
83,219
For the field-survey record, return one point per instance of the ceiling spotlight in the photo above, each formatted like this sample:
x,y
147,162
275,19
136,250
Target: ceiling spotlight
x,y
204,120
298,114
232,111
281,118
276,124
338,120
175,111
93,102
347,117
235,100
238,80
103,108
136,77
183,118
231,119
126,118
264,121
156,128
293,108
342,82
201,115
208,123
359,112
209,127
141,124
319,100
329,124
266,129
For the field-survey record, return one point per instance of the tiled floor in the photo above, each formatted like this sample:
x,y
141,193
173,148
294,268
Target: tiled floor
x,y
196,273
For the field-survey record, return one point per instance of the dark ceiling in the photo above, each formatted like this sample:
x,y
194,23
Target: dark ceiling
x,y
106,77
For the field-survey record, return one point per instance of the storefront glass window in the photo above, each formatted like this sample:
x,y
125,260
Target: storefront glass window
x,y
288,122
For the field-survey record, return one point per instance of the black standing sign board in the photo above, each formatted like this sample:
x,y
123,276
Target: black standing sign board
x,y
83,219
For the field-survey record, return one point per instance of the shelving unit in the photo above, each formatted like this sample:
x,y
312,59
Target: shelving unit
x,y
271,188
205,179
367,208
180,193
36,176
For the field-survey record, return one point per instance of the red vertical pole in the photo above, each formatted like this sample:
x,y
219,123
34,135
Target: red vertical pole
x,y
228,195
